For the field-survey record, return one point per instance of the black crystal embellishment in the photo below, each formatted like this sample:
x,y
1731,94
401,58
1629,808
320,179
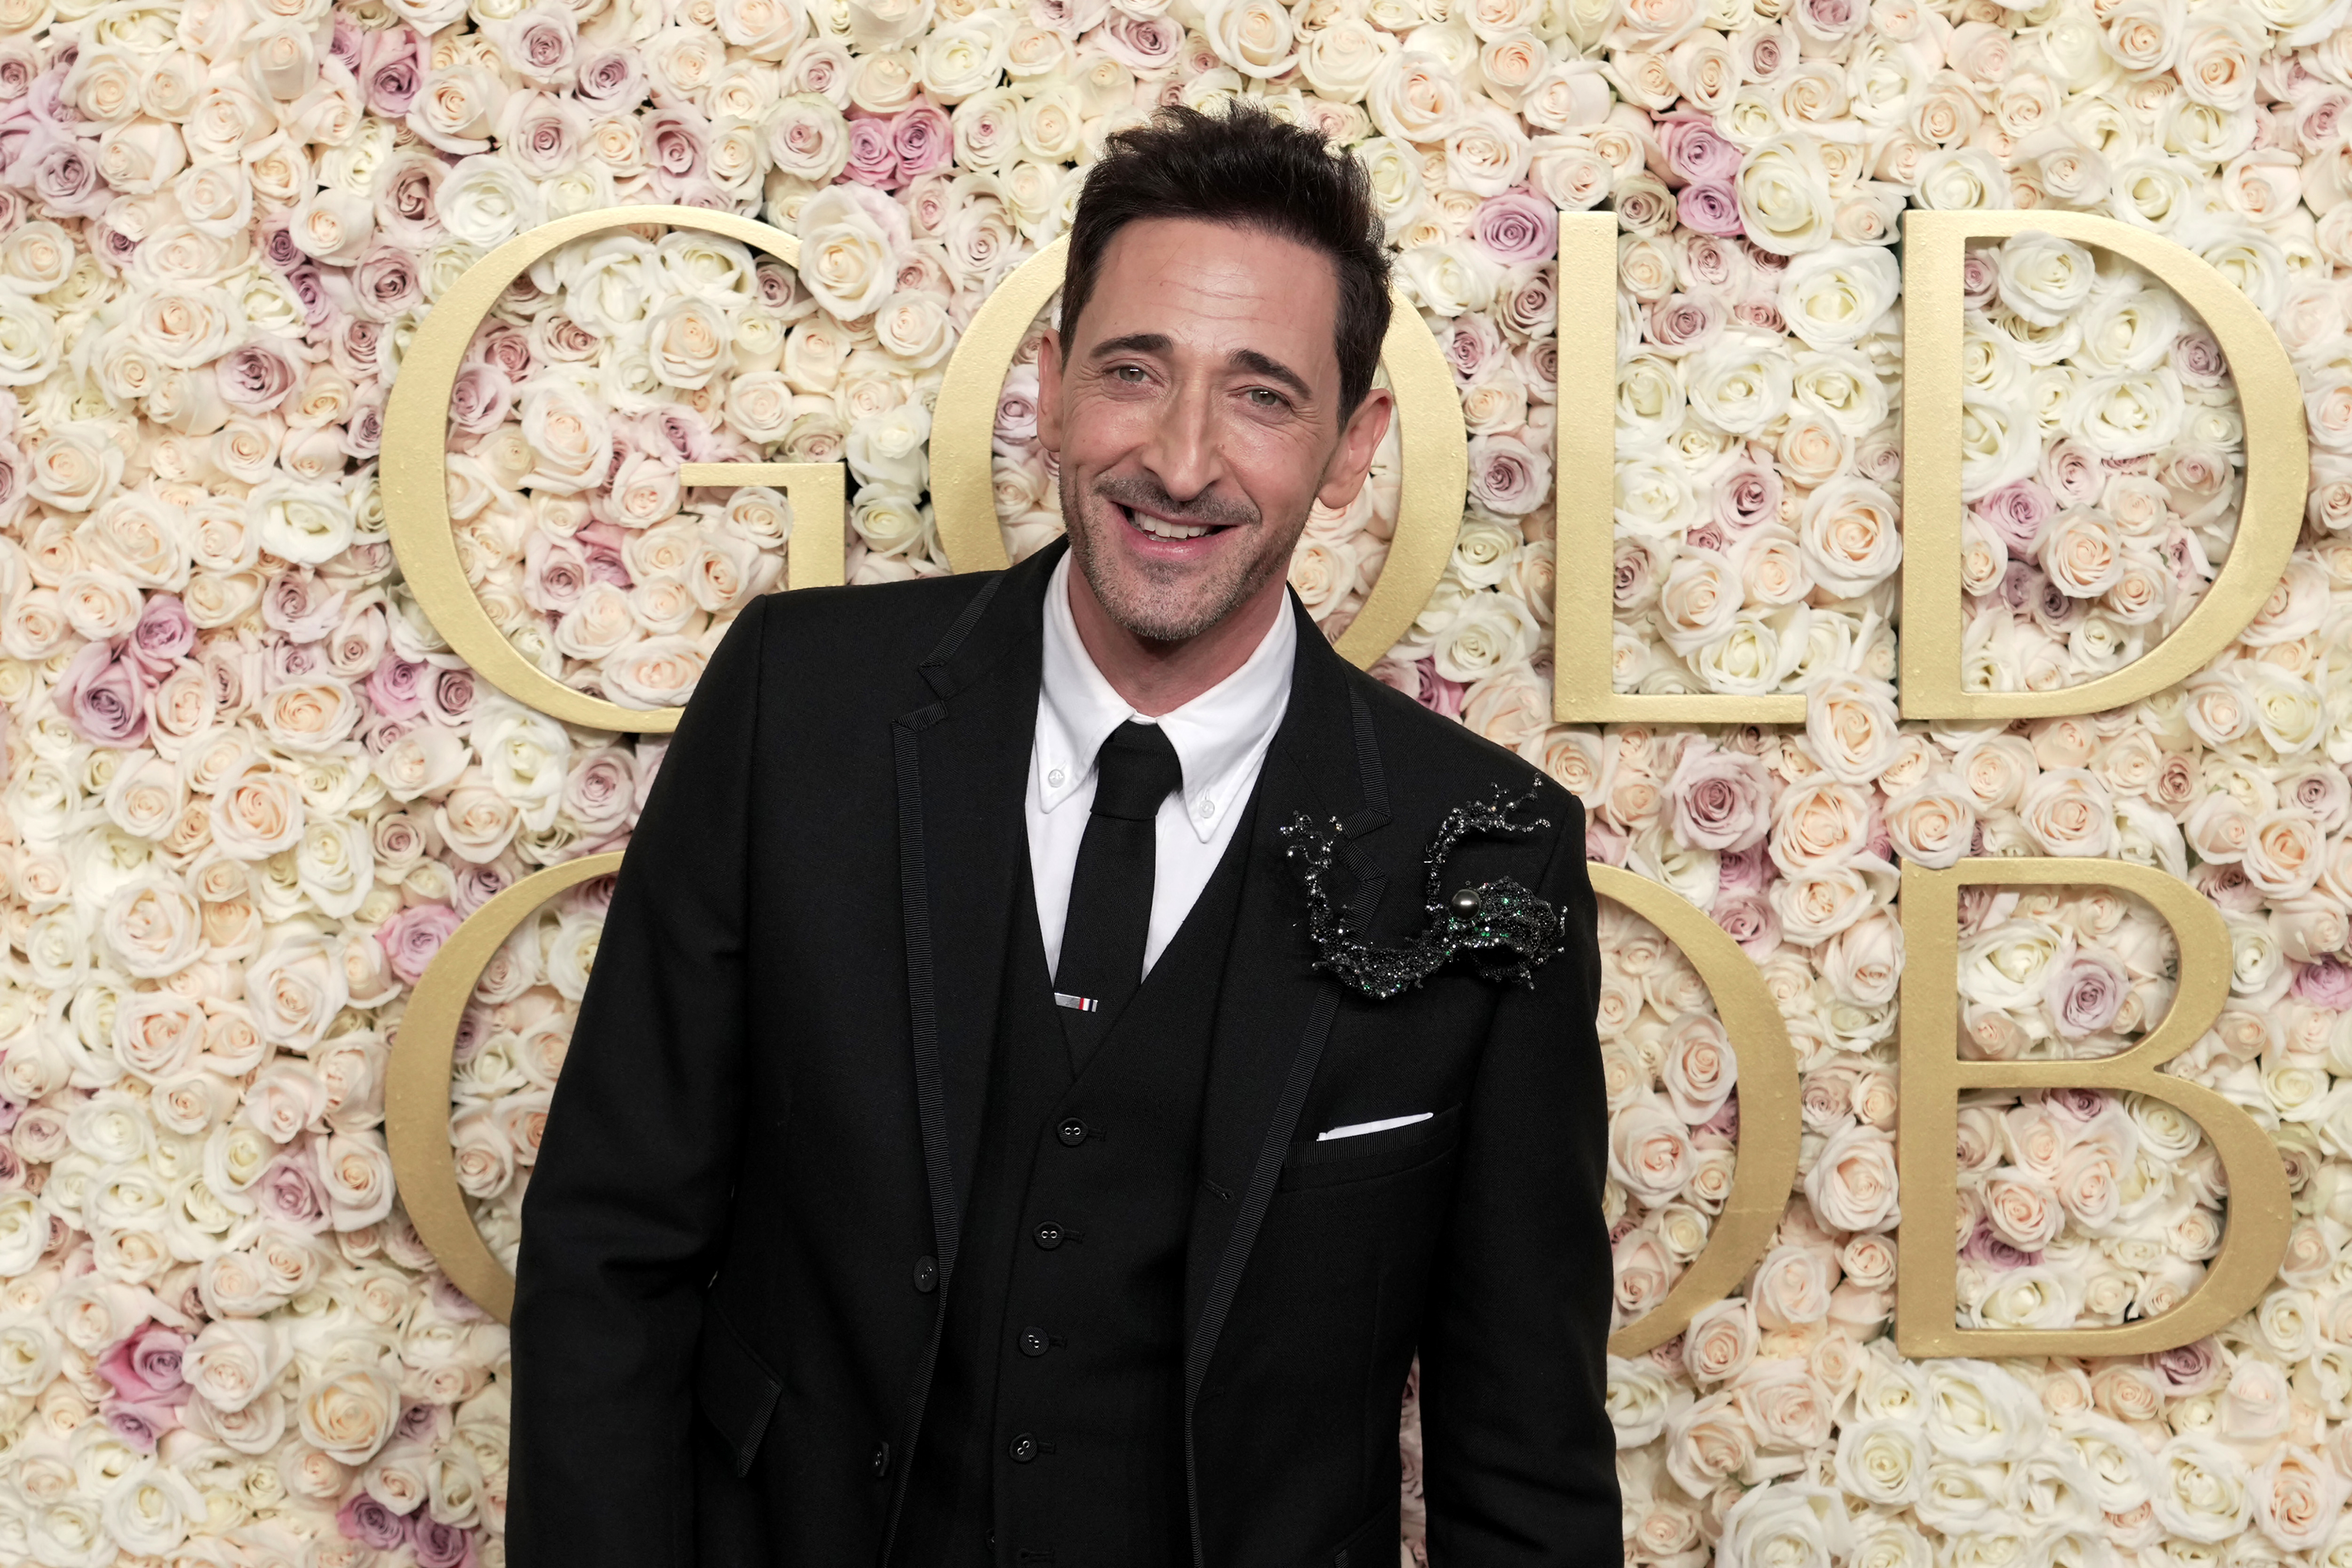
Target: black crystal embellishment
x,y
1506,930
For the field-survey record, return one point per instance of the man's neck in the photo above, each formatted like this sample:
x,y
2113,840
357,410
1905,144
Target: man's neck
x,y
1155,678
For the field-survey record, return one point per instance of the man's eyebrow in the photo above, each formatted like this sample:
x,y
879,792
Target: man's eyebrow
x,y
1272,370
1132,343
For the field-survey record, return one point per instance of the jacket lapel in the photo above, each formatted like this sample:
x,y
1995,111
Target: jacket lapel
x,y
962,763
1273,1011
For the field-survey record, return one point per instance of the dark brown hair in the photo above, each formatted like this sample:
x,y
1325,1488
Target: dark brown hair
x,y
1242,167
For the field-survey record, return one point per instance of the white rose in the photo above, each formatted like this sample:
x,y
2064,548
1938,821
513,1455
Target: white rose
x,y
295,989
350,1413
1852,1183
848,262
1788,1525
1977,1413
1833,298
2203,1492
1785,204
1849,534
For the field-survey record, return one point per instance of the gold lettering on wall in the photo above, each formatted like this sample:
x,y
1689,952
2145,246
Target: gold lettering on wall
x,y
1584,618
413,466
416,1082
2278,467
1434,478
1934,1077
1766,1164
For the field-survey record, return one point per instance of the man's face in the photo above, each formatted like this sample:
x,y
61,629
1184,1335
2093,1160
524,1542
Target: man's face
x,y
1196,417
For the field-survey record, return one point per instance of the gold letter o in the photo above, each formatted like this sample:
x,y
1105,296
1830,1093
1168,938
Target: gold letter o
x,y
416,1084
1768,1123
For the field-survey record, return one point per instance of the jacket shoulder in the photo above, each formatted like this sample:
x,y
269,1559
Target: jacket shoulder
x,y
850,626
1429,756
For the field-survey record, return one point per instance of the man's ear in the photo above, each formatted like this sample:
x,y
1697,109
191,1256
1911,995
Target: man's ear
x,y
1360,441
1049,392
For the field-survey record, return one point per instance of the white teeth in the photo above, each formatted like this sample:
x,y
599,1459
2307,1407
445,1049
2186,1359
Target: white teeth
x,y
1160,530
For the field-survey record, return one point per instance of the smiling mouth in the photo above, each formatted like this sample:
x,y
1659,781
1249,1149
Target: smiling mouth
x,y
1158,529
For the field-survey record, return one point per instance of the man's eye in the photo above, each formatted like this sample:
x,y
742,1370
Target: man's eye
x,y
1131,374
1266,398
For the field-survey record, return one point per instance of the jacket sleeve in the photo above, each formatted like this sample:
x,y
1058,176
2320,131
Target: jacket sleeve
x,y
1519,1455
627,1206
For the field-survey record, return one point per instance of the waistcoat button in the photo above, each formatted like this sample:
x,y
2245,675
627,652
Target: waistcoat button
x,y
1049,1236
1024,1450
1032,1341
1072,1132
927,1275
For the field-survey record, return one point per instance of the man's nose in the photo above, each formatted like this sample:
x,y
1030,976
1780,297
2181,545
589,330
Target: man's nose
x,y
1184,452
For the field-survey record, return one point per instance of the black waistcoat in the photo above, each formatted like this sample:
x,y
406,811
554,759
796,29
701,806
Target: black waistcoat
x,y
1055,1428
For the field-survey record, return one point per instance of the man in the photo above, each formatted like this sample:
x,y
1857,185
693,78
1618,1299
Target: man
x,y
961,1159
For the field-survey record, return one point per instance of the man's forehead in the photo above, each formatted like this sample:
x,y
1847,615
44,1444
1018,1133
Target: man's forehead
x,y
1188,278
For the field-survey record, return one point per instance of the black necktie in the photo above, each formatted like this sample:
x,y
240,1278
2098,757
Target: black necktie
x,y
1110,893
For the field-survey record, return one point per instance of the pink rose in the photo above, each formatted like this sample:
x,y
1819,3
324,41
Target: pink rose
x,y
392,70
1685,321
1696,152
163,635
103,695
1438,694
1979,280
2324,983
481,401
1747,495
371,1523
1722,800
144,1366
385,283
410,938
2015,513
1710,209
290,1193
1747,918
439,1545
392,687
873,157
302,606
2086,992
2190,1369
140,1425
1744,871
1141,43
1984,1246
677,141
610,83
923,140
449,697
1507,477
1517,227
253,379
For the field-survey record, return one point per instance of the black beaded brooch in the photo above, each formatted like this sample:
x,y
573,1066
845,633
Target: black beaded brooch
x,y
1505,929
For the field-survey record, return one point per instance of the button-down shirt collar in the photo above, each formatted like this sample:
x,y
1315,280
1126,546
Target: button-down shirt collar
x,y
1220,737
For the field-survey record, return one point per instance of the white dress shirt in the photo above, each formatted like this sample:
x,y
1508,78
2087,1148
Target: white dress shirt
x,y
1220,738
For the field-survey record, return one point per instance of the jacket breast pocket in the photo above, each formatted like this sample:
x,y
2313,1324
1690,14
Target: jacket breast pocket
x,y
733,1387
1330,1162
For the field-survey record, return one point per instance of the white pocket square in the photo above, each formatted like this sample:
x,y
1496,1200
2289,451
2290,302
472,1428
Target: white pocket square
x,y
1355,1129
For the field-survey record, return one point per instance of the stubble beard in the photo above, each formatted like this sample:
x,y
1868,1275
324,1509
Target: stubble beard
x,y
1159,603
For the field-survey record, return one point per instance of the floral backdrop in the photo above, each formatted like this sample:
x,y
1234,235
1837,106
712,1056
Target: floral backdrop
x,y
250,791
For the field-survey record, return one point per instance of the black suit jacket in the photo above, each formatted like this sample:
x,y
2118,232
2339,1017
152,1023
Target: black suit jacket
x,y
743,1220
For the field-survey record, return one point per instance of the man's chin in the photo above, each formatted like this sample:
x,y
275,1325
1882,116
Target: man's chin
x,y
1165,596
